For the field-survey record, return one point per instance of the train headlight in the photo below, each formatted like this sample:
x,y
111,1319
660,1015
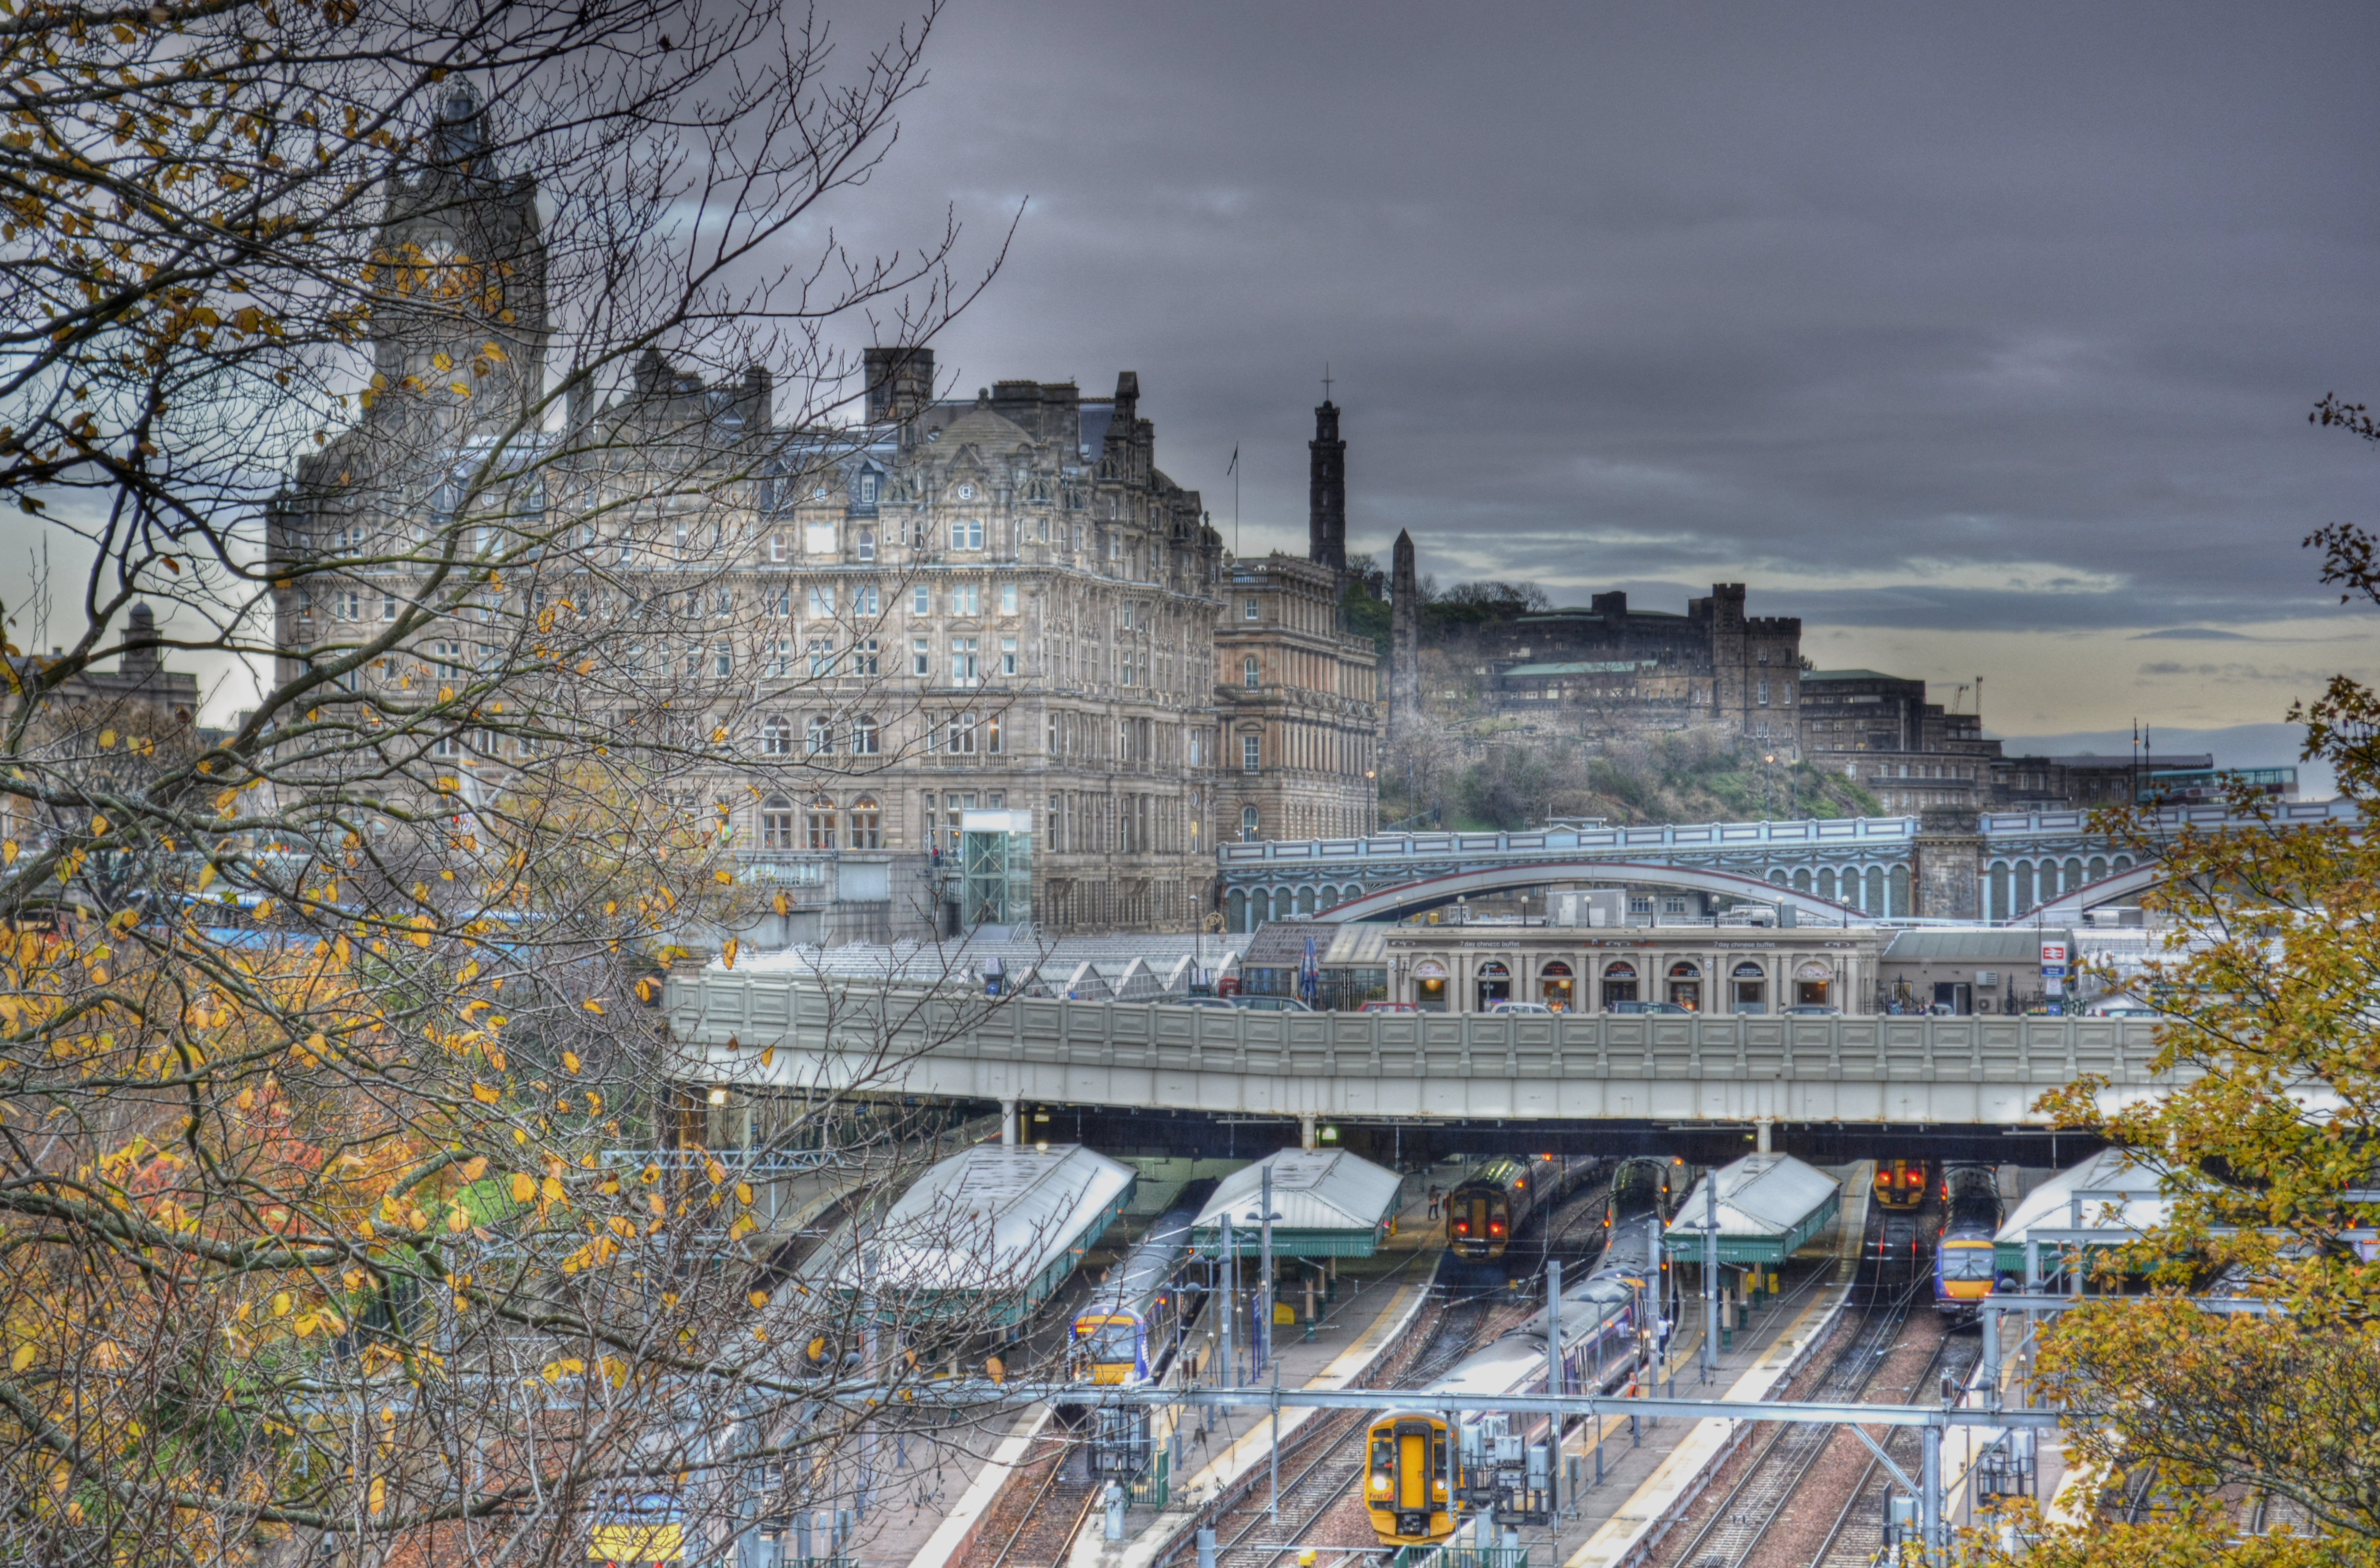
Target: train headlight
x,y
1437,1489
1379,1480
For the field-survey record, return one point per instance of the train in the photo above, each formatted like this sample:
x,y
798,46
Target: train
x,y
1125,1330
1488,1209
1963,1253
1901,1184
1414,1488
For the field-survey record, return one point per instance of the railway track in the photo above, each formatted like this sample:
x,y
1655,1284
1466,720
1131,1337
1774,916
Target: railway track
x,y
1779,1466
1335,1465
1327,1452
1857,1534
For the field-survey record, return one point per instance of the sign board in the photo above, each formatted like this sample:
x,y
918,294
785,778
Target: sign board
x,y
2053,971
2053,986
2053,952
1429,969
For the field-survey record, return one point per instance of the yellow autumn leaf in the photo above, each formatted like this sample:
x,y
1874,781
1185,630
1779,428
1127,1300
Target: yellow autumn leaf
x,y
483,1094
206,875
458,1219
570,1059
716,1171
378,1497
106,740
475,1167
99,827
743,1191
8,853
524,1188
729,951
592,1006
21,1359
759,1299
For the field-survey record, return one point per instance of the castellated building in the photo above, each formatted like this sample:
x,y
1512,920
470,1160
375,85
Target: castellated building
x,y
954,631
1611,669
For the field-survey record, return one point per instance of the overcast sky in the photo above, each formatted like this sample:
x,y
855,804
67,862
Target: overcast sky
x,y
1981,338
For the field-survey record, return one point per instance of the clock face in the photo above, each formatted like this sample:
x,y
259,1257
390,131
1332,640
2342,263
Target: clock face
x,y
818,494
966,492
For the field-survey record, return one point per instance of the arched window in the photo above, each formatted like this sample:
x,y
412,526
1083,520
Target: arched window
x,y
866,824
1237,905
1250,675
1685,969
821,731
822,823
776,737
777,823
1248,824
866,739
1751,988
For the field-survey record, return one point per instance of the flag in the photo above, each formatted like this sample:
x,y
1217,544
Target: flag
x,y
1232,466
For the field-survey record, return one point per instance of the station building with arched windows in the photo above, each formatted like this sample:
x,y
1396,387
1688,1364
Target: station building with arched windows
x,y
1718,971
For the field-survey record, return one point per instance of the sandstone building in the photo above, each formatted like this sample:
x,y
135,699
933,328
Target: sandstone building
x,y
878,647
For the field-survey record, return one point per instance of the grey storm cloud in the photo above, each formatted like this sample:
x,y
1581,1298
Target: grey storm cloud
x,y
1981,317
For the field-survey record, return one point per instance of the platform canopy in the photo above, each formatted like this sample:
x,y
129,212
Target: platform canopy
x,y
1769,1206
995,1230
2104,1201
1330,1203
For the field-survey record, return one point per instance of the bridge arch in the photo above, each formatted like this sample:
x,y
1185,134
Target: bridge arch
x,y
2124,884
1432,893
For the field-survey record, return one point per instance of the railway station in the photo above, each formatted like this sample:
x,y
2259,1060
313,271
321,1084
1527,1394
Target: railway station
x,y
1465,1213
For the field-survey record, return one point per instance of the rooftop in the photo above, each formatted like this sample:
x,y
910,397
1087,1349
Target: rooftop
x,y
2019,946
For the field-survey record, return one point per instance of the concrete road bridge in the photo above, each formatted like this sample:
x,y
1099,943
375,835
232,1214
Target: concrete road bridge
x,y
792,1031
1995,867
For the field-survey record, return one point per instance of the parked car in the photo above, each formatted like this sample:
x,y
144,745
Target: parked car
x,y
1222,1001
1389,1007
1812,1010
1270,1004
1518,1007
1663,1007
2123,1010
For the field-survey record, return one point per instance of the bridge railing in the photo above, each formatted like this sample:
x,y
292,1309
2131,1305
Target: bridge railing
x,y
1673,836
1895,831
890,1026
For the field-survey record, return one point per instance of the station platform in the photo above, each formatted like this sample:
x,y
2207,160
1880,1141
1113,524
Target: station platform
x,y
1648,1471
1377,1298
1389,1291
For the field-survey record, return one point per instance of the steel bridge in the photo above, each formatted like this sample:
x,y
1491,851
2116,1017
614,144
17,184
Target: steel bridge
x,y
2001,866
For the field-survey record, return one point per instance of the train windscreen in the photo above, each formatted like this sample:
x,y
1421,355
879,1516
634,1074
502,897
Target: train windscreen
x,y
1968,1261
1111,1338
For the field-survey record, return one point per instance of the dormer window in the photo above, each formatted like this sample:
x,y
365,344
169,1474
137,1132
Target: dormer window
x,y
867,480
966,492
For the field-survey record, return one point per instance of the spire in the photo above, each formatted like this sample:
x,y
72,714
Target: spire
x,y
1326,494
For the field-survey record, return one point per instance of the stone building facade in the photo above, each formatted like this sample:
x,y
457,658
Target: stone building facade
x,y
997,606
1612,669
1297,704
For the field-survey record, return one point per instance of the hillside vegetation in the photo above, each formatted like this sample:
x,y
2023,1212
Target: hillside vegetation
x,y
1688,777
